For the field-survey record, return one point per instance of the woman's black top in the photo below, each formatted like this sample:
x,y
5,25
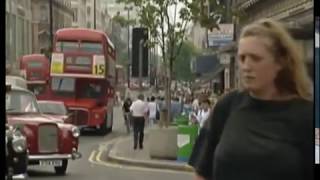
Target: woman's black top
x,y
251,139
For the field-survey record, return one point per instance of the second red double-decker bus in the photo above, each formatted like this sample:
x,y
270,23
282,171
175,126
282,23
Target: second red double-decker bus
x,y
36,69
83,76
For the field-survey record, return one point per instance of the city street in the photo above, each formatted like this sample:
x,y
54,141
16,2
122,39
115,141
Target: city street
x,y
221,84
88,168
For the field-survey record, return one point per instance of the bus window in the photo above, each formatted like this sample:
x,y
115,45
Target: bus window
x,y
67,46
34,64
63,86
92,47
92,90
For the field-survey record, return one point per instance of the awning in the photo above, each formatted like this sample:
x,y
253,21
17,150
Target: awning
x,y
207,67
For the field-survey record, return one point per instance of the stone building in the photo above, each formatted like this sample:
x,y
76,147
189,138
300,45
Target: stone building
x,y
296,14
62,16
79,13
18,30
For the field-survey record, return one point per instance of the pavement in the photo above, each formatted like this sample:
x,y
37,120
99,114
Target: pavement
x,y
121,152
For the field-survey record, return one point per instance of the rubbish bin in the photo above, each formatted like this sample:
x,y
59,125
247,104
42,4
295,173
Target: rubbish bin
x,y
182,120
186,138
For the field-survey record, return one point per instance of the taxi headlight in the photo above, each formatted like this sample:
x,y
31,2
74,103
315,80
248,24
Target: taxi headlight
x,y
75,132
19,144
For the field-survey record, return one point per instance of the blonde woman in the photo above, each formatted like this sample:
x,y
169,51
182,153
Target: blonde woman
x,y
265,130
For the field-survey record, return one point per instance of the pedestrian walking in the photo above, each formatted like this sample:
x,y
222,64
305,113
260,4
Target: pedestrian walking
x,y
139,110
126,112
264,130
203,113
152,109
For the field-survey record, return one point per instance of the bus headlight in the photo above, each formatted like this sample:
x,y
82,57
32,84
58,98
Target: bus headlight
x,y
97,116
75,132
19,144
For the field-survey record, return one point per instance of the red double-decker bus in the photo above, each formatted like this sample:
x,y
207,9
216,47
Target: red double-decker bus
x,y
36,70
82,75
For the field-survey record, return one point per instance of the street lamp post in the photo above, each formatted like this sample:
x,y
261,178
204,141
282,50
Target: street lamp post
x,y
129,59
94,14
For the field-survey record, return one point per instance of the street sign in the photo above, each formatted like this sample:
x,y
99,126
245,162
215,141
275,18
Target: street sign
x,y
222,36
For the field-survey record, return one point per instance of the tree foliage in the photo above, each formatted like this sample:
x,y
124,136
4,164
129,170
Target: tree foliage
x,y
123,21
170,33
181,67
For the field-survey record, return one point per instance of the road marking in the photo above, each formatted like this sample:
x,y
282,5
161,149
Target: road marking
x,y
91,155
101,162
95,158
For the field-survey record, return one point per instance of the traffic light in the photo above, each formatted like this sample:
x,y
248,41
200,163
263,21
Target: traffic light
x,y
137,35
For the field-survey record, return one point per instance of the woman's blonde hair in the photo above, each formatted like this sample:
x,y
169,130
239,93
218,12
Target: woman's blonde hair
x,y
293,77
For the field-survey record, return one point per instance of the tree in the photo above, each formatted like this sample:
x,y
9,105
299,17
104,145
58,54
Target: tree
x,y
181,66
168,32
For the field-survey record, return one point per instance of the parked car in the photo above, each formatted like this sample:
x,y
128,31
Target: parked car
x,y
56,110
16,152
49,141
16,81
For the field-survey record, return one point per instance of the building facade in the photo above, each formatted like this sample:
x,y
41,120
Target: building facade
x,y
62,16
297,15
79,13
18,30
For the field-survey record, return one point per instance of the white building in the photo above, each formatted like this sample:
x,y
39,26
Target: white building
x,y
198,36
61,17
79,13
18,30
88,12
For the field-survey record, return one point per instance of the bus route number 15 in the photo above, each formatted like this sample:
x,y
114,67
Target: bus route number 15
x,y
99,69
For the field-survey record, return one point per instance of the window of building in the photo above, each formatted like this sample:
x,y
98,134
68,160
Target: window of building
x,y
13,37
75,14
26,37
30,37
7,6
8,32
20,39
44,13
88,10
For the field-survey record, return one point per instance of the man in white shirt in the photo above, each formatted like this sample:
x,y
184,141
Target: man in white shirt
x,y
139,110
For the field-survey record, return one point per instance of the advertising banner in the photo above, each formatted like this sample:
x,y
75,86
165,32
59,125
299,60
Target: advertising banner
x,y
221,37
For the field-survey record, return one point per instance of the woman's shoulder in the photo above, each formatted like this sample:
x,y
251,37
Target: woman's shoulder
x,y
231,97
303,106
